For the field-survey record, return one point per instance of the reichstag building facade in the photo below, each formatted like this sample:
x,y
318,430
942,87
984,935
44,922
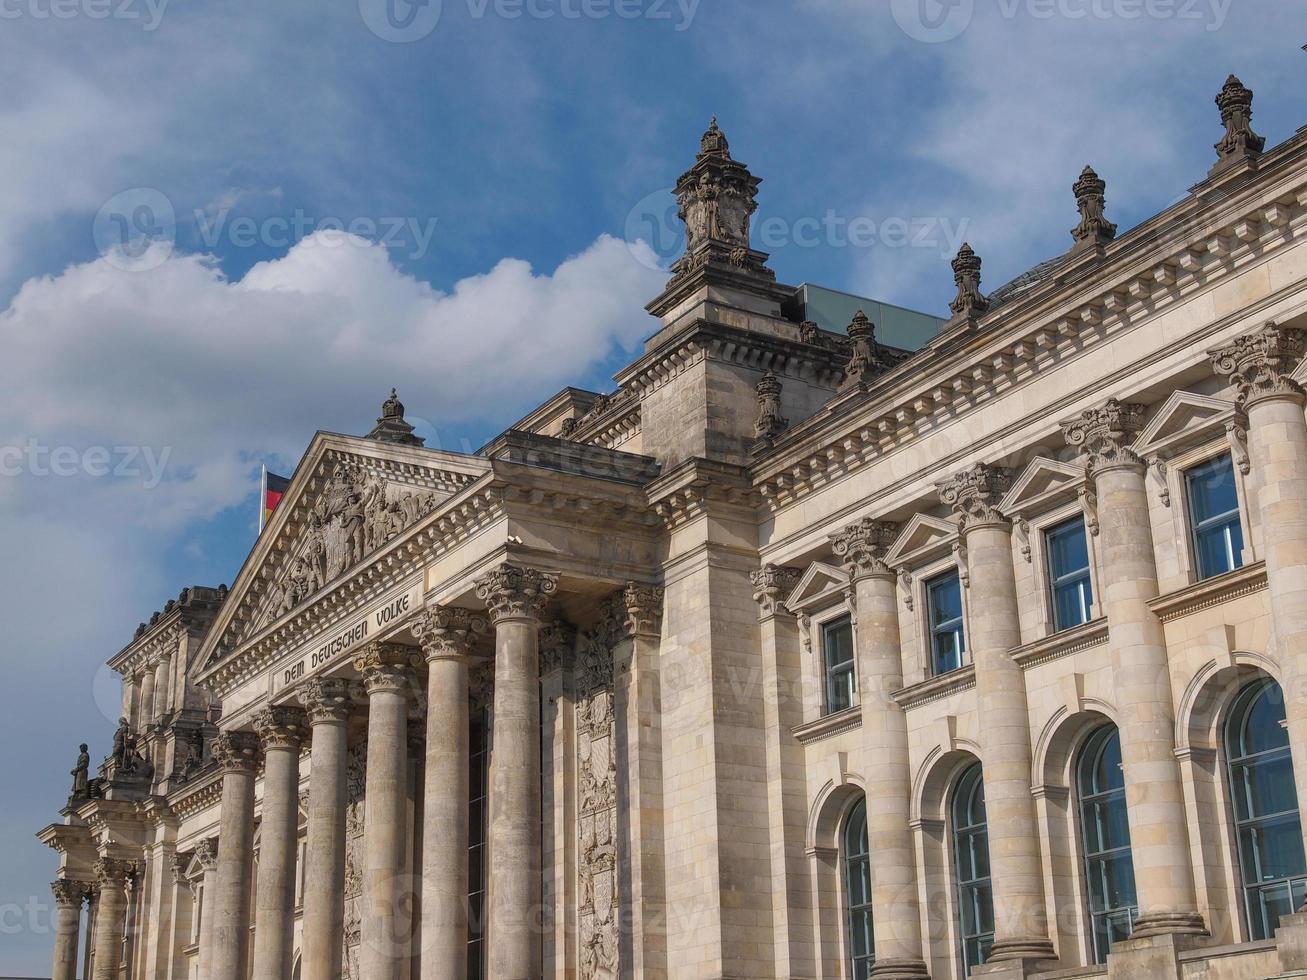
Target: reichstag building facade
x,y
834,643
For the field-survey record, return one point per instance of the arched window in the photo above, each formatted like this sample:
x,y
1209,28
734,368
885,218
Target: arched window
x,y
971,855
857,878
1265,801
1105,834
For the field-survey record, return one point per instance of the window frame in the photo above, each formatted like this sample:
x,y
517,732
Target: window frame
x,y
851,959
1046,529
821,626
959,894
1176,487
1191,523
926,579
1097,955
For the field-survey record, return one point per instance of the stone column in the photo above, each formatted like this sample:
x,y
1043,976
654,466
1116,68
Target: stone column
x,y
327,702
111,916
207,853
183,911
237,755
387,676
516,598
993,631
145,699
68,898
895,905
1261,364
131,699
446,635
162,687
1164,878
281,731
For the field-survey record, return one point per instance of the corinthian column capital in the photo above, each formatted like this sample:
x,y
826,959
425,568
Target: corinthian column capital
x,y
113,872
386,667
69,894
447,632
513,592
771,585
643,609
281,727
236,751
1106,434
975,494
206,852
862,547
1261,363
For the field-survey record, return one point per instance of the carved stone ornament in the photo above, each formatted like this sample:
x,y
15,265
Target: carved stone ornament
x,y
1094,228
387,668
557,646
281,727
1261,363
326,699
770,423
206,852
69,894
392,426
177,865
642,607
866,359
236,751
354,516
771,585
862,547
110,872
447,632
513,592
975,494
969,301
1235,101
1106,434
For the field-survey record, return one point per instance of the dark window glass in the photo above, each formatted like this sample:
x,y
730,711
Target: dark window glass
x,y
1214,515
1265,802
837,650
1068,571
971,857
1105,833
857,879
947,637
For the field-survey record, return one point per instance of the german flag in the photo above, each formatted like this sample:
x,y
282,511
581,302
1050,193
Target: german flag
x,y
274,488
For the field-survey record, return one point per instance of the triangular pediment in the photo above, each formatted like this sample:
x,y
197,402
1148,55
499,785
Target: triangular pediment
x,y
922,539
348,499
1184,419
817,587
1043,483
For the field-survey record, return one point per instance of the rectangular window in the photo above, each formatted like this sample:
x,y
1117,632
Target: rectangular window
x,y
837,652
1214,517
1068,572
947,639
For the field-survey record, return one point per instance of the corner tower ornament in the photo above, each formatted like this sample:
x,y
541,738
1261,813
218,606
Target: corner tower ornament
x,y
1106,434
866,359
392,426
1261,363
862,547
770,423
513,592
1094,228
969,302
1240,142
975,494
717,198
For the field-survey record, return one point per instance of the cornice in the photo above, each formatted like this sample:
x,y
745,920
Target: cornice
x,y
848,720
936,688
196,796
1210,592
697,485
1084,637
1192,246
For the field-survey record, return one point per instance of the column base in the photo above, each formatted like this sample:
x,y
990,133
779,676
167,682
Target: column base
x,y
1150,957
900,969
1291,943
1018,958
1168,924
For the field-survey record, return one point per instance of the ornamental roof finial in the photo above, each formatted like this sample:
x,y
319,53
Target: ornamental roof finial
x,y
392,426
714,142
1239,142
1094,228
969,301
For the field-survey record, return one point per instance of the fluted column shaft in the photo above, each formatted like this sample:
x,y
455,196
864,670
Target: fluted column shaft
x,y
237,755
896,909
516,598
162,687
386,670
1260,364
145,701
281,731
327,703
68,897
994,630
110,917
446,635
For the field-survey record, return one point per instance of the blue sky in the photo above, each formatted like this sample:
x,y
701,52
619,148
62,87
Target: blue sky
x,y
498,171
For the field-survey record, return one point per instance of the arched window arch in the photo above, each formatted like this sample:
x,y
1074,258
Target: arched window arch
x,y
1105,838
971,859
857,890
1265,802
